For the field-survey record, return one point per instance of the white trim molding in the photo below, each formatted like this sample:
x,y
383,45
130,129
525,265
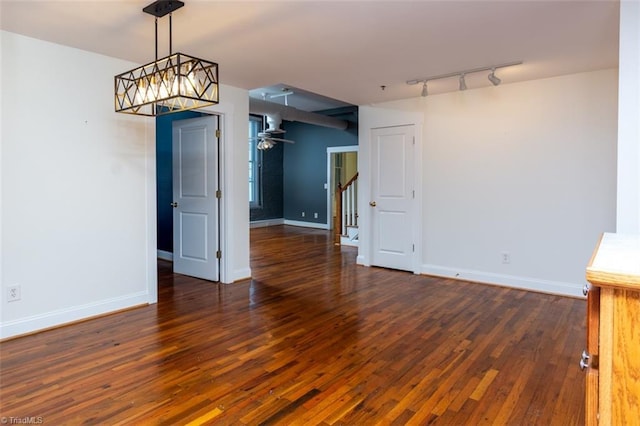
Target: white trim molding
x,y
522,283
306,224
62,317
239,275
266,222
165,255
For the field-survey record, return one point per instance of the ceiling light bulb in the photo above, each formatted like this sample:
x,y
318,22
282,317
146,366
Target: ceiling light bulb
x,y
424,89
463,84
493,79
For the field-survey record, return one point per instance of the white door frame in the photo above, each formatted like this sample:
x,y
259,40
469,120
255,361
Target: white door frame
x,y
207,267
334,150
225,157
371,117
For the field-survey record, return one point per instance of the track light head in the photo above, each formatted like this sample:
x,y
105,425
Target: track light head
x,y
425,92
463,84
493,79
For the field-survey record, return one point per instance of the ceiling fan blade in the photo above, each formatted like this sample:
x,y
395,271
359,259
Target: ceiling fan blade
x,y
281,140
268,133
263,138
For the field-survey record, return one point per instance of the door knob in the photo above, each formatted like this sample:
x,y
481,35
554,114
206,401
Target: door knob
x,y
372,203
174,204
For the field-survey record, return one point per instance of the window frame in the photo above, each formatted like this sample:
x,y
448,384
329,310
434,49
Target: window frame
x,y
256,123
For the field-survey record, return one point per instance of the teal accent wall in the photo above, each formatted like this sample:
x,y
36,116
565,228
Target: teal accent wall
x,y
305,164
164,176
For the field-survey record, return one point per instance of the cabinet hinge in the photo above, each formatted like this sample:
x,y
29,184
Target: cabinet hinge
x,y
218,254
218,194
218,133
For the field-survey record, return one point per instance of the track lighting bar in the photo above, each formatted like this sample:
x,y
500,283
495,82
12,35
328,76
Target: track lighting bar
x,y
459,73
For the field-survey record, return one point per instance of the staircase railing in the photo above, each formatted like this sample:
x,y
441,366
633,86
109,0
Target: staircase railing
x,y
346,207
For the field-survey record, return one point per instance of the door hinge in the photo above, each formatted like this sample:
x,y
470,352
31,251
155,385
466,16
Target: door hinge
x,y
218,133
414,193
218,254
413,247
218,194
414,140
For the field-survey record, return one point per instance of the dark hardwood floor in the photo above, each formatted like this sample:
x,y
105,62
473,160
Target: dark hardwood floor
x,y
311,339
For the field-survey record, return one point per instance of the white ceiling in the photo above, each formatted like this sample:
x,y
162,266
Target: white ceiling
x,y
345,50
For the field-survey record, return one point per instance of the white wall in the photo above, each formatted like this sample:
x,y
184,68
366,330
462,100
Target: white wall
x,y
3,290
629,120
234,110
525,168
78,189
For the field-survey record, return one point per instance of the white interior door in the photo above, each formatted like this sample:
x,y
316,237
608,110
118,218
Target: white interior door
x,y
195,182
393,197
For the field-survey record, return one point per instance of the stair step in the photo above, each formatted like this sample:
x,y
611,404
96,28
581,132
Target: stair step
x,y
352,232
346,241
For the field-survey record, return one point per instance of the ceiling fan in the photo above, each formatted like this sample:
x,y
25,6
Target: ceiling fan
x,y
266,138
266,141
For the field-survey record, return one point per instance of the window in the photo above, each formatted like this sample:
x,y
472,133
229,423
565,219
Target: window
x,y
255,155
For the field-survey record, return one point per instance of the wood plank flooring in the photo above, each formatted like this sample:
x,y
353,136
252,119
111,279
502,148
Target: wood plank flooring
x,y
311,339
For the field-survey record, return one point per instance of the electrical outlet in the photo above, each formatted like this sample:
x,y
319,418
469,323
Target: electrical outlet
x,y
506,257
302,214
315,215
13,293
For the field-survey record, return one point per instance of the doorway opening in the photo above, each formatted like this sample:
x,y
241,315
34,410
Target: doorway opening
x,y
188,180
342,194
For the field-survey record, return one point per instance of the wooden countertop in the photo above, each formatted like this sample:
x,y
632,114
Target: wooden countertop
x,y
616,262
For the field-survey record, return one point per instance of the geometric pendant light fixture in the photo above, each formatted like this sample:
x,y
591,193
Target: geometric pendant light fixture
x,y
177,82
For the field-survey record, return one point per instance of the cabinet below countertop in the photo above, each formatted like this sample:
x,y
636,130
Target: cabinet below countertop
x,y
612,357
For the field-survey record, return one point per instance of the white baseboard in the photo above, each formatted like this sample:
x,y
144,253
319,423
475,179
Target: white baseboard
x,y
274,222
75,313
165,255
239,275
524,283
265,223
306,224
